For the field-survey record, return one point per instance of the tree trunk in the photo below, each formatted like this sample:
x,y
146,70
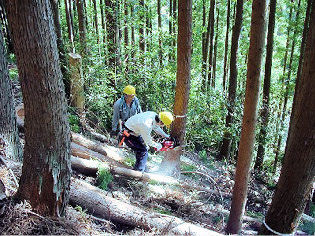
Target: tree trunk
x,y
265,105
226,143
97,203
69,25
211,21
77,98
215,49
126,34
257,39
182,84
5,28
204,39
160,31
226,45
141,27
132,33
61,49
82,27
103,24
111,32
46,170
8,125
96,22
298,170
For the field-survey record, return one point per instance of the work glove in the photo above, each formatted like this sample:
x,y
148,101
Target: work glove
x,y
159,147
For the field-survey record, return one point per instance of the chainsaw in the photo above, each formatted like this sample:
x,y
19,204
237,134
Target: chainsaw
x,y
169,144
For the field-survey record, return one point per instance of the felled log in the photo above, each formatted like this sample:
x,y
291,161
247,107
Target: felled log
x,y
104,149
97,203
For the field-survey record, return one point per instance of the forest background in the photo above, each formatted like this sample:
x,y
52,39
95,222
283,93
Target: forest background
x,y
135,43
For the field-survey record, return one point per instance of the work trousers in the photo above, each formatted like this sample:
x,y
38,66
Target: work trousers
x,y
136,143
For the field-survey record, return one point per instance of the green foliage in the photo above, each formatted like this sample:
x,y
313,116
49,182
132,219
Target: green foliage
x,y
104,177
74,121
130,161
162,211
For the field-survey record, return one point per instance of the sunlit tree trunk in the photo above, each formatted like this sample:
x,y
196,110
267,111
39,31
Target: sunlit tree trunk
x,y
160,31
226,45
69,25
266,91
82,27
171,161
257,39
215,49
226,143
211,20
96,21
141,27
8,125
46,169
298,170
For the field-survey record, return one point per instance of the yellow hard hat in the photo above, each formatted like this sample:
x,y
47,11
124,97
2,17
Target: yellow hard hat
x,y
166,117
129,90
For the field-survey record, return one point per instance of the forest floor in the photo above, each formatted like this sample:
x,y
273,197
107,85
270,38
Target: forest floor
x,y
206,209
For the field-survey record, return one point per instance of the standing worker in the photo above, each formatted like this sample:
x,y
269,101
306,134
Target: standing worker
x,y
139,129
125,107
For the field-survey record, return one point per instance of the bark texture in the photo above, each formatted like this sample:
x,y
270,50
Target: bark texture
x,y
298,170
45,179
257,38
182,83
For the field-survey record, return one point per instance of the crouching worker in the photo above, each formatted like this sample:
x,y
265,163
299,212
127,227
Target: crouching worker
x,y
139,128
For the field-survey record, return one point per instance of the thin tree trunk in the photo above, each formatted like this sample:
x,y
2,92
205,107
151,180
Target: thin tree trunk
x,y
266,91
141,27
257,39
160,31
211,16
226,45
215,49
69,26
226,143
204,41
298,171
96,22
82,26
46,172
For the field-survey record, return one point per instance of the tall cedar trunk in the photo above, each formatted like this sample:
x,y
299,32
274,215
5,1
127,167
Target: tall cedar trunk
x,y
211,20
171,161
141,27
96,22
8,125
298,171
103,23
302,47
266,91
111,32
6,32
82,26
226,45
287,80
226,143
206,50
215,49
46,169
132,33
69,25
85,14
60,45
257,39
160,31
126,34
204,38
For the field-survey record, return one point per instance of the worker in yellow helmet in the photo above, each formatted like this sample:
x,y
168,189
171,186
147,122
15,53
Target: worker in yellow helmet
x,y
125,107
139,128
